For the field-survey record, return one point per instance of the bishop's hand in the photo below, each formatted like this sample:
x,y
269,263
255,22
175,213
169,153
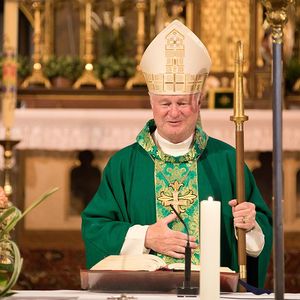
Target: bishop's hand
x,y
243,214
162,239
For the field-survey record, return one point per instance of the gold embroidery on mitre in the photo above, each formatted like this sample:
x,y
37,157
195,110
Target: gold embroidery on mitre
x,y
179,201
174,80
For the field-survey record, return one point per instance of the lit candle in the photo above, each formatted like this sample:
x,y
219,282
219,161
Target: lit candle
x,y
210,213
9,77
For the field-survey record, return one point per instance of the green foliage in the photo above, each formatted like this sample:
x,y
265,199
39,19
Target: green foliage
x,y
115,59
292,73
24,66
10,258
111,66
64,66
9,273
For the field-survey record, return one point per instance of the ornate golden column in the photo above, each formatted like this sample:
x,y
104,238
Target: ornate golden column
x,y
190,14
49,27
138,78
37,76
117,14
88,77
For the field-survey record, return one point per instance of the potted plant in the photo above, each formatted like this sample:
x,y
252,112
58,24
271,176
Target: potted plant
x,y
115,71
10,258
292,75
63,70
116,63
24,67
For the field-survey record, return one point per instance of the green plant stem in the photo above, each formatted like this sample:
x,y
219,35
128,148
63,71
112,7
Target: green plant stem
x,y
18,217
18,262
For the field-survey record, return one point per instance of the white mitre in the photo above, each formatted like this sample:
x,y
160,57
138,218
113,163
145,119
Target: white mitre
x,y
175,62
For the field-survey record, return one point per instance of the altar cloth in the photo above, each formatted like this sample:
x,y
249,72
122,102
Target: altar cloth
x,y
112,129
86,295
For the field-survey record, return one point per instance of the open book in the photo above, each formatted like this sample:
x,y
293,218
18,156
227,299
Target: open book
x,y
142,262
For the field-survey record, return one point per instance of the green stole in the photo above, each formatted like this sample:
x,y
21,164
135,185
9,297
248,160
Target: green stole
x,y
176,182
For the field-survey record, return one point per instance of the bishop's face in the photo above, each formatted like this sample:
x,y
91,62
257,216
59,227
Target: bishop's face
x,y
175,115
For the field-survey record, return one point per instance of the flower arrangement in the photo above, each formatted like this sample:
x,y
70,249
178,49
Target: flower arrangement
x,y
10,258
115,60
24,66
292,74
111,66
63,66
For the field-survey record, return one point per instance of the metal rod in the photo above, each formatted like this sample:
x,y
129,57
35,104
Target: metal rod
x,y
278,263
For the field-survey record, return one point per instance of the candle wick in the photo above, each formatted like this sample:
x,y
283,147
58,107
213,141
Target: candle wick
x,y
210,198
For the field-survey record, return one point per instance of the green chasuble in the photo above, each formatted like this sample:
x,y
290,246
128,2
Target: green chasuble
x,y
139,182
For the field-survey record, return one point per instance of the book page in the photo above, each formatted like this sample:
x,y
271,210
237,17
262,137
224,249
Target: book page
x,y
180,266
143,262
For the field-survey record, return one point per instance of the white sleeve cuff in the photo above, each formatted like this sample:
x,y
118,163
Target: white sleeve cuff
x,y
135,241
255,241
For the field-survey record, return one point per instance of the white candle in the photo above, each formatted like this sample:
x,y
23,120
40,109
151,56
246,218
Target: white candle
x,y
210,213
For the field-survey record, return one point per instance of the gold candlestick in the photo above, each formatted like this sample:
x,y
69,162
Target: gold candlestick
x,y
88,77
8,146
138,78
37,76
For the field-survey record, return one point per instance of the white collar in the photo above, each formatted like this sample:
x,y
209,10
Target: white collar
x,y
172,149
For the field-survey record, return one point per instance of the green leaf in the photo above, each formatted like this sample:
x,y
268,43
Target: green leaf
x,y
3,279
18,262
15,269
7,213
11,225
6,267
38,201
20,215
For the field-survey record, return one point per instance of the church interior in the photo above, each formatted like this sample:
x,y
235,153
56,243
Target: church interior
x,y
80,97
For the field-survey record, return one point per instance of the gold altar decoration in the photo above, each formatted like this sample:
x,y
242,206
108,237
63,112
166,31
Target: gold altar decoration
x,y
37,76
163,12
233,16
88,77
189,14
8,146
49,30
277,17
138,78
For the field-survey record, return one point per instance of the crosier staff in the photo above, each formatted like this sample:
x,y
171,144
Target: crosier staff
x,y
239,118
